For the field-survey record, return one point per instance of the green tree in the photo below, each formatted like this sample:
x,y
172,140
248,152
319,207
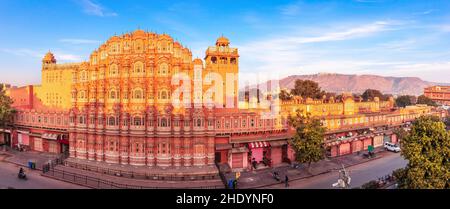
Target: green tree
x,y
284,95
308,141
370,94
403,101
447,121
400,177
427,149
6,111
422,99
401,133
307,88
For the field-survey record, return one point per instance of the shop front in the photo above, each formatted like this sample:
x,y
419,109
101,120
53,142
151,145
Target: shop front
x,y
278,152
23,140
357,146
238,158
221,153
394,138
50,143
366,143
378,141
5,137
259,153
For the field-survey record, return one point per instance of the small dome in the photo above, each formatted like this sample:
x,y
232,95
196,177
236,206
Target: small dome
x,y
139,32
198,62
222,41
49,58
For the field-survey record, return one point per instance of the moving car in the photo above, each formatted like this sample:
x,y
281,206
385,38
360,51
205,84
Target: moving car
x,y
391,147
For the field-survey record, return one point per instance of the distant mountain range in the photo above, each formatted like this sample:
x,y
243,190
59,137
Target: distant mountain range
x,y
338,83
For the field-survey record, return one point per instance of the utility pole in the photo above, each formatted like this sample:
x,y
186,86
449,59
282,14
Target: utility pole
x,y
344,179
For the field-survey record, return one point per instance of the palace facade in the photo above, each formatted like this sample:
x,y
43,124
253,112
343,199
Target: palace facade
x,y
142,100
439,94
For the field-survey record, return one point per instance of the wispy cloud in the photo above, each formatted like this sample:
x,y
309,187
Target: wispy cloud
x,y
60,56
78,41
92,8
296,53
356,32
290,9
426,12
23,52
68,57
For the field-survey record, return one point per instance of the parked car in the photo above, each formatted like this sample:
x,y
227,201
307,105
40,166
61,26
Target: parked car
x,y
391,147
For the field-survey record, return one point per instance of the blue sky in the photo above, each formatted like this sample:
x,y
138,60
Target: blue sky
x,y
382,37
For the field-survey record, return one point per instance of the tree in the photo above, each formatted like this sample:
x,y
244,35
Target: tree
x,y
308,141
400,177
6,111
422,99
284,95
370,94
447,121
307,88
403,101
427,149
400,133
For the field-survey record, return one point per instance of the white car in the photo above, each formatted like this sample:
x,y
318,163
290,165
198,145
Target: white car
x,y
391,147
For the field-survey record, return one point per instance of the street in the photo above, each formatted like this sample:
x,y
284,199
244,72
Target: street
x,y
359,174
8,179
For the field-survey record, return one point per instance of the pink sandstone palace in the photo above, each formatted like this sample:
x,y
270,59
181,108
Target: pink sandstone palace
x,y
116,108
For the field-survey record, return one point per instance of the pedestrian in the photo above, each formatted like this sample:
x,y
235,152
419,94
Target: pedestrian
x,y
230,183
286,181
234,184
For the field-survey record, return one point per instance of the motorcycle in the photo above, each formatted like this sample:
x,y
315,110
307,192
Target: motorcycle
x,y
22,174
276,176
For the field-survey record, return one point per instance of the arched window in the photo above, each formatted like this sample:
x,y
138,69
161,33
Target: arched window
x,y
137,94
199,123
113,70
83,75
112,121
138,67
137,121
164,122
163,69
113,94
163,94
83,95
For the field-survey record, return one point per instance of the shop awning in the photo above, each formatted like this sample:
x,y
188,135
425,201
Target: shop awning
x,y
258,145
49,136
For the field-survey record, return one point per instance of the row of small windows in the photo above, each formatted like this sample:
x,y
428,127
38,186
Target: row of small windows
x,y
138,69
135,94
351,121
139,121
25,118
163,46
223,60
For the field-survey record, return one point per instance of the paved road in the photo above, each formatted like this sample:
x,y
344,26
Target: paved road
x,y
360,174
8,179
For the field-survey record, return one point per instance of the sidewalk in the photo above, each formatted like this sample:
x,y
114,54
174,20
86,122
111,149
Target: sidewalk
x,y
263,178
105,181
142,171
22,158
